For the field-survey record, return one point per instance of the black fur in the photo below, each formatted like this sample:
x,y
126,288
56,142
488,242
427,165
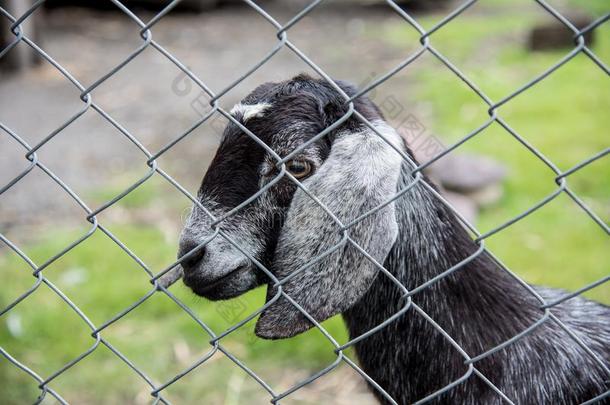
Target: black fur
x,y
479,306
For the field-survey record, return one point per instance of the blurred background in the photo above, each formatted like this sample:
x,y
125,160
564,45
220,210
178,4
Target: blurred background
x,y
498,44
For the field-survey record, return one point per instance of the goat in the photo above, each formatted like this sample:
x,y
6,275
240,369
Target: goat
x,y
416,237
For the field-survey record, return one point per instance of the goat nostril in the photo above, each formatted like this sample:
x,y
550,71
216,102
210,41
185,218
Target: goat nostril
x,y
195,255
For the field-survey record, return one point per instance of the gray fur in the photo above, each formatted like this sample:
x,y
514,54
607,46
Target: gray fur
x,y
360,174
479,306
415,237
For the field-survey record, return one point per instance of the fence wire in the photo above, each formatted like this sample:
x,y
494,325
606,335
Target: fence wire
x,y
282,34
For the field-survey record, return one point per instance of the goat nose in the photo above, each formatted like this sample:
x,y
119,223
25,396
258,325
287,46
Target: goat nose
x,y
195,254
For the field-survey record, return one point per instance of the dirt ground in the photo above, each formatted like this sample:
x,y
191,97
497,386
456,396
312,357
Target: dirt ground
x,y
151,98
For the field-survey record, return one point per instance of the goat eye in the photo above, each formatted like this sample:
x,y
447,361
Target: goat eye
x,y
299,168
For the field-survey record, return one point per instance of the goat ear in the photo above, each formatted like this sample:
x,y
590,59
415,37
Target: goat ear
x,y
360,174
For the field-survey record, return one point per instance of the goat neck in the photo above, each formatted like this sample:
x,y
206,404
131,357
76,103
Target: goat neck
x,y
479,306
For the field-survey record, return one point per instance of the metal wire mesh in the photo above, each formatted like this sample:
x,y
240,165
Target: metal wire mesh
x,y
151,158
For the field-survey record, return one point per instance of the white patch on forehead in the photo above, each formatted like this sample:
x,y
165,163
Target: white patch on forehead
x,y
248,111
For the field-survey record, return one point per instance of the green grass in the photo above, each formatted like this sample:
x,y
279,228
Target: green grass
x,y
101,280
596,8
565,117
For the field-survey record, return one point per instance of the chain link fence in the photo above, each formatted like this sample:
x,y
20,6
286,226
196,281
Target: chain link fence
x,y
157,277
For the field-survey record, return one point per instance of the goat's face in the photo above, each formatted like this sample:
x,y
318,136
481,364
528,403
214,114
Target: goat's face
x,y
312,261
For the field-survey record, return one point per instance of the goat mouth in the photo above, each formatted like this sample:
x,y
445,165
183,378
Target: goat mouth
x,y
228,286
